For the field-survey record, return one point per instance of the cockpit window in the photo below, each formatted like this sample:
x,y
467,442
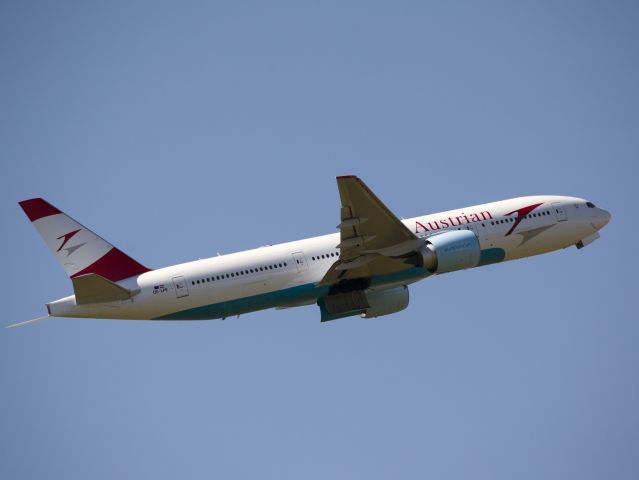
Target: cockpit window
x,y
590,205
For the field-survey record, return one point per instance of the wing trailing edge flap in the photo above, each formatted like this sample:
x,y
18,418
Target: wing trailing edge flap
x,y
92,288
371,236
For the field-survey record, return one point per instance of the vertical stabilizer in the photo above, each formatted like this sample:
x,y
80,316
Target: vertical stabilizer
x,y
78,249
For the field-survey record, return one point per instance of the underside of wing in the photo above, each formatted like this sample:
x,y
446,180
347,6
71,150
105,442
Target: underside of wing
x,y
373,241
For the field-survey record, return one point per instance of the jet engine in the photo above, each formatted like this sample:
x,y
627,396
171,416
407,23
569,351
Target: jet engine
x,y
449,251
385,302
367,303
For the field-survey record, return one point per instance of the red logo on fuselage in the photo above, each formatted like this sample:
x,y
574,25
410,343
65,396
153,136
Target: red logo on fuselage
x,y
521,214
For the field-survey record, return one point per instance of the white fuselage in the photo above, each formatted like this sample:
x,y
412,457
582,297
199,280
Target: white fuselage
x,y
287,274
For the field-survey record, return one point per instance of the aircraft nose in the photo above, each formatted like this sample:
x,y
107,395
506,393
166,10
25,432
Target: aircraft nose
x,y
602,218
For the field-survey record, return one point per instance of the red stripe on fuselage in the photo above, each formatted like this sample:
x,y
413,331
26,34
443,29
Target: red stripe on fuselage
x,y
37,208
114,265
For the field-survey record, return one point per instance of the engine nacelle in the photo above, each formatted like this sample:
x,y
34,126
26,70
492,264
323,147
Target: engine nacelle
x,y
450,251
385,302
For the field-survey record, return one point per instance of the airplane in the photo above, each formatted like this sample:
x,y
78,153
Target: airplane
x,y
364,269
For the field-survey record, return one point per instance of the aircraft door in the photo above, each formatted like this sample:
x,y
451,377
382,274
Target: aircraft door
x,y
560,212
300,262
181,289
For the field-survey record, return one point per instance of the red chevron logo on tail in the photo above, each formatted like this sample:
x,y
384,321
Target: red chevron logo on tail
x,y
66,237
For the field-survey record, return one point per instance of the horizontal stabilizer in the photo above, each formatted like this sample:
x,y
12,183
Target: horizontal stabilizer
x,y
92,288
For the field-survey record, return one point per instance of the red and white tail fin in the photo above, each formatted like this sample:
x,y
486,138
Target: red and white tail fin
x,y
78,249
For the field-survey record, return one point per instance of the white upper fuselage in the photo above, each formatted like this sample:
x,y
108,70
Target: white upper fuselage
x,y
287,274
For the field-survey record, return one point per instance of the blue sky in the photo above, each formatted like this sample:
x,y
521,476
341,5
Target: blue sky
x,y
177,130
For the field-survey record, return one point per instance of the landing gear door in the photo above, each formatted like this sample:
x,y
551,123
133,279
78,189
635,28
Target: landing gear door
x,y
560,212
181,289
300,262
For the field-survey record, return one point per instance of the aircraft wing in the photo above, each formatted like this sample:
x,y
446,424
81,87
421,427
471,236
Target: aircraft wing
x,y
371,238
